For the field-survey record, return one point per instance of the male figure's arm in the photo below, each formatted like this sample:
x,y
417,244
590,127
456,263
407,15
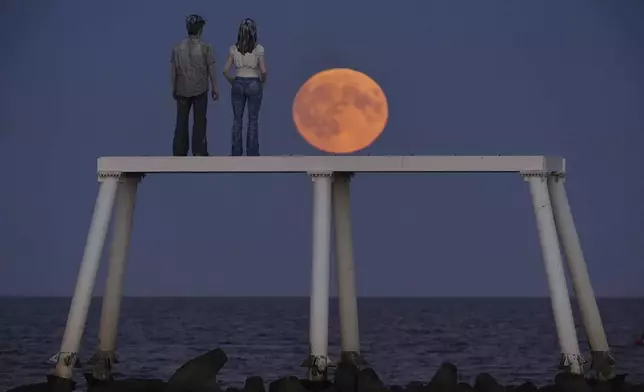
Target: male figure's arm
x,y
173,74
212,75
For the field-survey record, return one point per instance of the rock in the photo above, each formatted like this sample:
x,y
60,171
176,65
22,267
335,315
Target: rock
x,y
274,386
200,375
128,385
329,388
346,377
635,388
368,381
549,388
317,386
464,387
526,387
619,382
197,372
254,384
286,384
53,384
415,386
210,385
486,383
38,387
445,379
569,382
600,386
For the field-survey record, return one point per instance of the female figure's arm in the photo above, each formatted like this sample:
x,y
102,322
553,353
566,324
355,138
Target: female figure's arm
x,y
262,66
229,64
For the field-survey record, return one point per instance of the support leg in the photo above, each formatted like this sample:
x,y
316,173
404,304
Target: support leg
x,y
349,332
571,359
105,356
602,361
318,360
67,357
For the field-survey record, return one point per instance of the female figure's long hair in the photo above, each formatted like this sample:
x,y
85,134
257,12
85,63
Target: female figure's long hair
x,y
246,36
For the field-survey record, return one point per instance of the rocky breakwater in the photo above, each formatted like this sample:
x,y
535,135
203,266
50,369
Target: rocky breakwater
x,y
200,375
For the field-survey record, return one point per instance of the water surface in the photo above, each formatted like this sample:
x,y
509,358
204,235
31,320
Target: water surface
x,y
403,338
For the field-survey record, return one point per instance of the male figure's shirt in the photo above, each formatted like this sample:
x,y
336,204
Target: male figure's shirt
x,y
194,61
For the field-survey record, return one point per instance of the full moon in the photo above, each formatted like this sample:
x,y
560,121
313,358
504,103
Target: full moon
x,y
340,111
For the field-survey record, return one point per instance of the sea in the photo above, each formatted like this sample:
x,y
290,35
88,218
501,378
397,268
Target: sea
x,y
403,339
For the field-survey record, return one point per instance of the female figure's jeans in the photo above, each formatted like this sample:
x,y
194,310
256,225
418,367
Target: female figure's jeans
x,y
246,90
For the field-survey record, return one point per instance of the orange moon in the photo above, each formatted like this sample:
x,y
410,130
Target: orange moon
x,y
340,111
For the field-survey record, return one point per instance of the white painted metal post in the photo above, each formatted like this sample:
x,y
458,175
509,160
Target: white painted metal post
x,y
121,229
571,358
318,360
343,245
602,361
67,357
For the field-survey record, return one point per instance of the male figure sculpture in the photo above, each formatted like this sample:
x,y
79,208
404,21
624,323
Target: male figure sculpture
x,y
192,67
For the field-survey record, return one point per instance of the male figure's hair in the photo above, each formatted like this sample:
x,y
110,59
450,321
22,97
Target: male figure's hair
x,y
246,36
194,25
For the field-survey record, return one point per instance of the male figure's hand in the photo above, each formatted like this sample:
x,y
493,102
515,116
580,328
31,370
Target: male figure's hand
x,y
215,94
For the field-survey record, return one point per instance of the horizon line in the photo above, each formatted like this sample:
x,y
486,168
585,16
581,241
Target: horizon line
x,y
41,296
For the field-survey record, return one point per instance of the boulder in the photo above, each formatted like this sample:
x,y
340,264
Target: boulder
x,y
254,384
368,381
600,386
346,377
286,384
53,384
635,388
445,379
38,387
569,382
464,387
128,385
526,387
486,383
199,373
415,386
210,385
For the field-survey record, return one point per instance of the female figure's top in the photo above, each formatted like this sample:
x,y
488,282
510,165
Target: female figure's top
x,y
247,54
248,64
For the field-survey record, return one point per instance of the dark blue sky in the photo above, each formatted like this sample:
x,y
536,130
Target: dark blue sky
x,y
83,79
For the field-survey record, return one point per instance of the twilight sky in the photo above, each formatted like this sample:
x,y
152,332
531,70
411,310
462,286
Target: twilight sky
x,y
83,79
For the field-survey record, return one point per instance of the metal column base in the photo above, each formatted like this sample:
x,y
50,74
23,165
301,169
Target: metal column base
x,y
602,365
101,364
318,366
69,359
353,358
572,363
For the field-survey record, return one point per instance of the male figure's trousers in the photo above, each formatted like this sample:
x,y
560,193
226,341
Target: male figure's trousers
x,y
199,105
